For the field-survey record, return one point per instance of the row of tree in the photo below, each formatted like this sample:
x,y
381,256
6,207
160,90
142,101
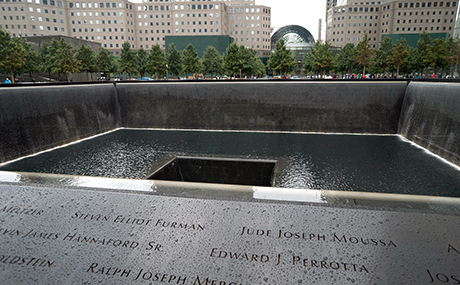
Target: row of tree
x,y
57,57
438,54
238,60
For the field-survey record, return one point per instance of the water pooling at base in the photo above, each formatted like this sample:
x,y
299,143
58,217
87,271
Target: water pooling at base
x,y
385,164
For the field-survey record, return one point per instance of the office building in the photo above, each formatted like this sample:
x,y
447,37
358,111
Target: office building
x,y
144,25
349,20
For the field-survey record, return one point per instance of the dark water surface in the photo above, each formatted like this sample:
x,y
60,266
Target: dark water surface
x,y
384,164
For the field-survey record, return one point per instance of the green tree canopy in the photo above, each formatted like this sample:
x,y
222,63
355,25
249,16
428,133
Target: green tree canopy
x,y
191,61
363,53
243,61
46,57
259,67
453,46
141,62
399,54
380,60
127,60
412,64
212,61
87,58
232,62
423,51
105,62
174,60
248,61
438,54
65,60
12,53
344,59
33,63
156,61
281,60
319,59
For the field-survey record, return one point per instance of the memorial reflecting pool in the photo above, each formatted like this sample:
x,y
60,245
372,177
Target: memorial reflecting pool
x,y
385,164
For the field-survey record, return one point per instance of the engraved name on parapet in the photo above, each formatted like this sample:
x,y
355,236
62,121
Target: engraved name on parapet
x,y
123,219
305,236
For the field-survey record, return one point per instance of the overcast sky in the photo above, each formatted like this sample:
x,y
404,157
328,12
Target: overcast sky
x,y
305,13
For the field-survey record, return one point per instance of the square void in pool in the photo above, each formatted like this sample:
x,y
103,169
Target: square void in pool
x,y
253,172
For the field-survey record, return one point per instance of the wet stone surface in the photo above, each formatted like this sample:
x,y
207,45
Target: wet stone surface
x,y
80,236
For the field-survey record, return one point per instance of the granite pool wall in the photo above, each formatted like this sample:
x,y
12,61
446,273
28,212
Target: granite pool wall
x,y
430,117
36,118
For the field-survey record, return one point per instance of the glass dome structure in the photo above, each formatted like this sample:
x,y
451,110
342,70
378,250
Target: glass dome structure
x,y
294,36
298,39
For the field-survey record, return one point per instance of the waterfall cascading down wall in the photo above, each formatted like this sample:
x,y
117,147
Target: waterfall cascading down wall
x,y
339,107
431,118
33,119
37,118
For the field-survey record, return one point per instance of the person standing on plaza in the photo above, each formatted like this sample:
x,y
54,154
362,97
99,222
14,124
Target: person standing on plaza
x,y
7,81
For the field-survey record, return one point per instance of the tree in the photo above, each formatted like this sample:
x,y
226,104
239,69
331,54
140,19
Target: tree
x,y
191,61
141,61
363,53
423,51
32,64
105,62
87,58
319,59
344,59
156,61
259,67
212,61
437,57
243,61
325,58
453,46
12,53
309,62
399,54
247,59
381,57
66,61
232,61
174,60
127,60
412,64
281,60
51,59
46,56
